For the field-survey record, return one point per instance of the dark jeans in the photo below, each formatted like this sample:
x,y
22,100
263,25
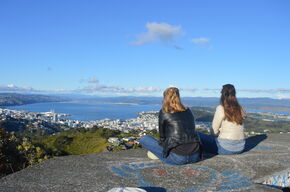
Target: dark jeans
x,y
151,144
211,145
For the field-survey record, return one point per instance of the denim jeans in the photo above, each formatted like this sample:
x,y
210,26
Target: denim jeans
x,y
151,144
210,144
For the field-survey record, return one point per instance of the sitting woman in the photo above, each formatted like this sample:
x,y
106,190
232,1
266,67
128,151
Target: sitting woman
x,y
178,143
227,126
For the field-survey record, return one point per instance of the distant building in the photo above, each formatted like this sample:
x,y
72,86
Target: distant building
x,y
114,140
54,118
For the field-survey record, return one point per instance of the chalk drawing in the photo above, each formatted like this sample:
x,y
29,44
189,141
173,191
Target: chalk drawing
x,y
281,180
227,180
263,147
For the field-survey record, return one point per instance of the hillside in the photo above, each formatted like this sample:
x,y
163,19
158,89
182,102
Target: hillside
x,y
10,99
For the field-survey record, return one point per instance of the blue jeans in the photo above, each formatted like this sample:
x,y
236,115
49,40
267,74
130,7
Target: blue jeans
x,y
210,144
151,144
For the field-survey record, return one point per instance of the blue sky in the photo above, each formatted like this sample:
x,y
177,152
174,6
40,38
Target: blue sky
x,y
132,47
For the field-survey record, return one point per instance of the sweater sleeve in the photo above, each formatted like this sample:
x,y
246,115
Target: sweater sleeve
x,y
217,120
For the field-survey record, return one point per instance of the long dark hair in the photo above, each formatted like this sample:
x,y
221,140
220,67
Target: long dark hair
x,y
171,101
233,110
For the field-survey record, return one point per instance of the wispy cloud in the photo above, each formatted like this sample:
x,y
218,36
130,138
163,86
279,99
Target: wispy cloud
x,y
177,47
93,80
189,89
200,41
282,96
93,87
117,89
211,89
158,32
270,91
284,90
279,90
14,88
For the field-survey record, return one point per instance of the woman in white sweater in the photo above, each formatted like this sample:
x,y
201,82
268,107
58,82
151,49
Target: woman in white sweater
x,y
227,133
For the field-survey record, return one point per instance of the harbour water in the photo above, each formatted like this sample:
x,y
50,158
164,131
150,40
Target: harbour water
x,y
97,111
89,111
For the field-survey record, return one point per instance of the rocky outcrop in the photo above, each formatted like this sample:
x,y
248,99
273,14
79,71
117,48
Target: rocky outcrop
x,y
266,161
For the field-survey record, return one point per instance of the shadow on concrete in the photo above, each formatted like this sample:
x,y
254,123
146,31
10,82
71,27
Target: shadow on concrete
x,y
253,141
284,189
153,189
207,155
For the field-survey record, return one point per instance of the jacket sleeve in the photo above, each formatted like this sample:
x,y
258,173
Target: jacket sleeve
x,y
161,127
217,120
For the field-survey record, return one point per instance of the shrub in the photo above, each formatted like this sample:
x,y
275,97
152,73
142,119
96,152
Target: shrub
x,y
18,153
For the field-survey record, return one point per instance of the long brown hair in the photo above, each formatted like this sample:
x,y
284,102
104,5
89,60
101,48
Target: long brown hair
x,y
171,101
233,110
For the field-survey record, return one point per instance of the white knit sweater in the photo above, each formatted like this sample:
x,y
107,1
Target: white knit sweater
x,y
225,129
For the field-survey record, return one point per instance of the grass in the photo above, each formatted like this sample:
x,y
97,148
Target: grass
x,y
81,143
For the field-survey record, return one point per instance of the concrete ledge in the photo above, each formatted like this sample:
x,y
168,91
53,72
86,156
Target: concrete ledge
x,y
267,158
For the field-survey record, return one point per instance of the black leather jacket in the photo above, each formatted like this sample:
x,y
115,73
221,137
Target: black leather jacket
x,y
176,129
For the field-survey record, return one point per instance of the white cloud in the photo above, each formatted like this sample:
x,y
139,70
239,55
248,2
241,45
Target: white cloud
x,y
95,88
200,41
14,88
211,89
158,32
282,96
284,90
279,90
189,89
118,89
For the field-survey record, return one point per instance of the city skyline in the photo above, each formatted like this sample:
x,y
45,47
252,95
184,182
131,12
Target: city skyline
x,y
140,48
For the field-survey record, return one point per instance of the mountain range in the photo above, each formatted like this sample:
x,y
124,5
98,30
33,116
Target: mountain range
x,y
267,104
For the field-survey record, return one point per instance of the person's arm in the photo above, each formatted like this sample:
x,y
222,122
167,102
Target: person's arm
x,y
217,120
161,127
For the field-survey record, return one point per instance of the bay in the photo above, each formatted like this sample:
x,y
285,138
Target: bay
x,y
89,111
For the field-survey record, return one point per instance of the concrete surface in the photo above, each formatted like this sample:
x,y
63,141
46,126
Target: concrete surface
x,y
266,161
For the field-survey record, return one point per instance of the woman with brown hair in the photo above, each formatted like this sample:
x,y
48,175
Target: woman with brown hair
x,y
227,133
178,143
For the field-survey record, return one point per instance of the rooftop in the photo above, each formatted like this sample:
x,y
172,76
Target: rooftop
x,y
266,161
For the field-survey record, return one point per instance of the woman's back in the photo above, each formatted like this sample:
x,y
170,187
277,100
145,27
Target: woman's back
x,y
224,128
182,122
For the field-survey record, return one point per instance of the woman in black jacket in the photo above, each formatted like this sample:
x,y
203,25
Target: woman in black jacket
x,y
178,143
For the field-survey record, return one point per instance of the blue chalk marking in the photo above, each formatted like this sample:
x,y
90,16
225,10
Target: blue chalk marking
x,y
134,166
143,183
263,147
213,178
231,175
232,178
141,165
238,180
128,169
283,179
121,172
230,172
275,180
236,186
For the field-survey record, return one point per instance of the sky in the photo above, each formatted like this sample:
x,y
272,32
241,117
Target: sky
x,y
129,47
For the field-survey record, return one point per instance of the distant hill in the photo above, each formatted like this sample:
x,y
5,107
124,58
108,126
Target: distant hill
x,y
10,99
267,104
